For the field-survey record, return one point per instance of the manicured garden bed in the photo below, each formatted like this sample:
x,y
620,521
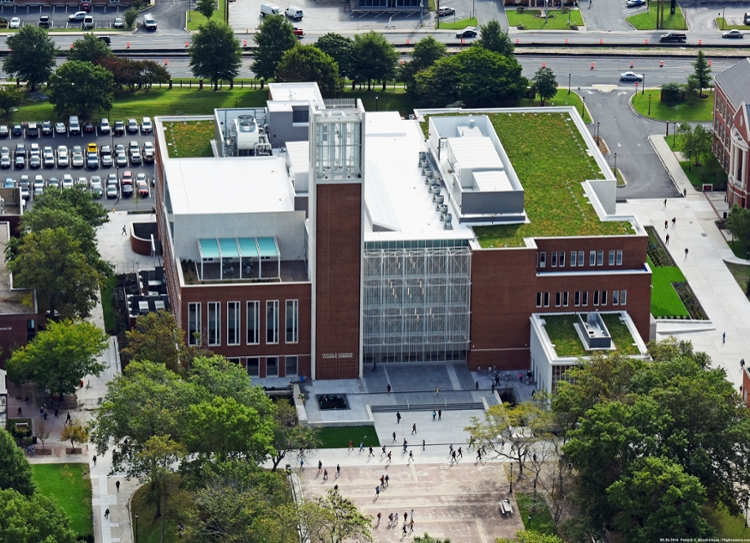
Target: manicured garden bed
x,y
562,333
338,437
447,23
70,486
708,173
722,24
700,110
534,19
647,20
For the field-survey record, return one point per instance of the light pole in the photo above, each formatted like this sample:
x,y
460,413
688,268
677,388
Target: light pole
x,y
511,479
136,528
568,83
649,104
583,108
615,165
597,133
376,102
644,85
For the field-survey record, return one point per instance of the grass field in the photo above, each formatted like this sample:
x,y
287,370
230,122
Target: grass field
x,y
391,100
708,173
728,528
554,199
664,299
562,98
701,110
196,18
149,527
740,273
338,437
445,24
723,25
540,520
70,486
189,139
532,19
647,20
109,313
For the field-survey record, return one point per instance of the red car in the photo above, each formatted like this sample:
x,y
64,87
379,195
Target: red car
x,y
298,32
86,6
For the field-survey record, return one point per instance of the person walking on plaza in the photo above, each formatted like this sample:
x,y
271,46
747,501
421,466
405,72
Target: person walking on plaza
x,y
382,481
325,474
301,463
389,456
742,363
686,253
398,417
389,389
117,484
411,456
411,525
403,530
378,524
106,513
320,465
423,444
362,446
95,460
460,454
405,444
674,221
394,437
377,491
414,428
338,471
56,412
382,449
440,414
372,453
666,225
667,240
387,479
351,444
724,337
434,414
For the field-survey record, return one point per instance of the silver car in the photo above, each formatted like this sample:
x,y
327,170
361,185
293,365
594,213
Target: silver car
x,y
63,159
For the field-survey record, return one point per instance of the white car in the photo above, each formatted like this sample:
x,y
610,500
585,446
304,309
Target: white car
x,y
734,33
104,127
60,128
63,158
631,76
15,22
67,181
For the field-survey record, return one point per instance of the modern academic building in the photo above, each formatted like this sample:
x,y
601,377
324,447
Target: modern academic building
x,y
320,238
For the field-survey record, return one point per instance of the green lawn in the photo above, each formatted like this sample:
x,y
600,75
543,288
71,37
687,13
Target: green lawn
x,y
541,520
110,325
723,25
701,110
728,528
189,139
338,437
70,486
391,100
533,20
554,198
196,18
562,98
664,299
563,334
740,272
458,25
647,20
149,527
710,172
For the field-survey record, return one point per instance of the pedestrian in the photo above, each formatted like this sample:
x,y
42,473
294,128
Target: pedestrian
x,y
502,444
742,363
383,450
361,446
27,400
382,481
301,462
377,491
414,428
325,474
411,525
477,385
378,524
117,484
338,471
351,444
724,337
686,252
124,230
371,453
374,367
320,465
405,444
423,444
479,455
45,415
20,412
106,513
674,221
390,519
387,479
684,193
394,437
67,420
388,388
411,456
666,225
412,515
389,456
398,417
460,454
56,413
520,377
406,517
667,239
450,448
440,414
437,391
534,457
434,414
336,487
403,530
95,460
665,202
493,387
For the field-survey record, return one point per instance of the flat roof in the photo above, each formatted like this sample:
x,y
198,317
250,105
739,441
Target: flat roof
x,y
565,340
14,300
228,186
305,92
395,191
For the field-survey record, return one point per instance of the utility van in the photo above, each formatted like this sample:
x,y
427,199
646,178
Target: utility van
x,y
269,9
294,13
149,22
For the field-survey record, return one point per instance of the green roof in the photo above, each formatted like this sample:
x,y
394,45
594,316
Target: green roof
x,y
551,160
564,337
189,139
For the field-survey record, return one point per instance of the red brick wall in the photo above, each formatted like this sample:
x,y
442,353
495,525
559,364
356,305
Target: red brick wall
x,y
339,257
13,333
723,113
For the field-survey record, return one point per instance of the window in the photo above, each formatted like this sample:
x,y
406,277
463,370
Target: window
x,y
600,258
611,258
233,323
596,297
214,323
290,366
253,367
300,114
585,301
562,259
573,259
558,298
615,297
623,296
253,323
194,324
565,299
592,258
580,259
618,261
272,366
542,259
577,298
539,299
272,321
553,259
604,297
292,321
546,299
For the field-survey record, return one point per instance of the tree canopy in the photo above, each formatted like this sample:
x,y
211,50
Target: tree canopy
x,y
33,519
10,97
492,38
701,73
59,356
308,63
157,337
334,519
206,7
32,55
545,84
373,58
274,37
15,471
215,53
81,88
342,51
426,52
89,48
738,223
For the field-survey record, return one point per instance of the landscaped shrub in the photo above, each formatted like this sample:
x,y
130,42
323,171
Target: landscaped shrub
x,y
670,92
564,9
521,26
519,9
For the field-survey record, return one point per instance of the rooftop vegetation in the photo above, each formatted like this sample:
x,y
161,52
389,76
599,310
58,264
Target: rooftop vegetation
x,y
563,335
189,139
550,157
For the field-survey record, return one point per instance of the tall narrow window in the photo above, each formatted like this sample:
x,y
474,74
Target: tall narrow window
x,y
573,259
290,366
611,258
272,366
596,297
618,261
542,259
553,259
585,301
600,258
546,299
604,297
581,261
214,323
592,258
615,297
562,259
272,321
233,323
253,323
577,298
558,298
292,321
194,324
565,298
253,367
539,299
623,297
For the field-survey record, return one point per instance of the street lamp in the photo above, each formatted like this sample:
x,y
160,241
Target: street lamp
x,y
615,165
644,85
511,479
583,108
649,104
597,133
376,102
136,528
568,83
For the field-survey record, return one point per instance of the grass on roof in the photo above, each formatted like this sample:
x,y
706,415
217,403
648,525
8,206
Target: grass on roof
x,y
70,486
562,333
665,302
549,157
189,139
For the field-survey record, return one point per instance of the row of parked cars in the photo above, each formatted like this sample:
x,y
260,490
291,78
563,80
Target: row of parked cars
x,y
95,185
92,156
74,127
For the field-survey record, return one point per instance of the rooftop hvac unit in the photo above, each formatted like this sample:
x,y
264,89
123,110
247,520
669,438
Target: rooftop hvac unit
x,y
448,224
442,217
248,133
443,209
434,189
439,199
436,195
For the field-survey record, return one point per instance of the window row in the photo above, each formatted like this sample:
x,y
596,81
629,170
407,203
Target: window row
x,y
253,365
252,330
578,258
581,298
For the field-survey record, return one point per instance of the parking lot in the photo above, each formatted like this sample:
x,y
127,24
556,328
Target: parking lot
x,y
104,16
56,171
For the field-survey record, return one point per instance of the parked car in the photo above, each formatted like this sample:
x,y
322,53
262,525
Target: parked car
x,y
636,3
48,155
132,126
96,186
46,128
67,181
5,162
142,185
119,128
89,128
631,76
32,130
35,161
92,161
104,127
106,161
53,183
298,32
112,191
135,157
86,6
112,180
444,12
734,33
121,160
294,13
148,152
45,21
60,128
469,32
4,132
17,131
118,23
63,158
146,126
76,157
77,16
88,22
82,182
15,22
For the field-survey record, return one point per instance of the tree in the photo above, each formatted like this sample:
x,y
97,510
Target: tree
x,y
289,435
374,59
274,37
334,519
42,432
701,143
492,38
53,263
426,52
130,16
341,49
531,536
75,432
10,97
15,471
215,53
152,73
658,500
670,92
157,337
702,72
545,83
738,223
427,538
32,55
206,7
33,519
125,72
308,63
89,49
76,202
82,88
59,356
